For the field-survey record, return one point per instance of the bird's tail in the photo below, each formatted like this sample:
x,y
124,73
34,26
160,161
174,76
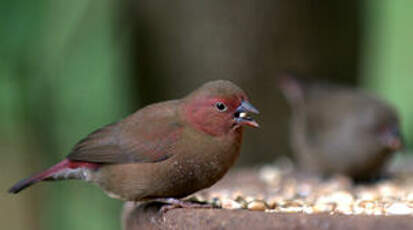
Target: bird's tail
x,y
65,169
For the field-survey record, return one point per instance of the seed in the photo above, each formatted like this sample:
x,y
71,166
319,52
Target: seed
x,y
292,206
324,207
257,205
241,201
230,204
275,201
364,207
399,208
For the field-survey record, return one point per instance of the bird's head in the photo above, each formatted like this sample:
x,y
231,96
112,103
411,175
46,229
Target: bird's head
x,y
218,107
381,120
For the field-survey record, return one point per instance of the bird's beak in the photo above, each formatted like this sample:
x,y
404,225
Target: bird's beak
x,y
396,144
393,140
241,114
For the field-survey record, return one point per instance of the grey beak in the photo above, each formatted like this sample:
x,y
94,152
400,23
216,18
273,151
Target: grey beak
x,y
241,116
247,107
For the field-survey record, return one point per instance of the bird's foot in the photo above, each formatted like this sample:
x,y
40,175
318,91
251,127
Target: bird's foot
x,y
172,203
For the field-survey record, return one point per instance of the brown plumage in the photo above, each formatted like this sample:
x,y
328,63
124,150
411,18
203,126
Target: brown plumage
x,y
168,149
338,129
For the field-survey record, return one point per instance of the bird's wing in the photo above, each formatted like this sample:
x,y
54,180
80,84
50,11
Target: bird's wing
x,y
150,135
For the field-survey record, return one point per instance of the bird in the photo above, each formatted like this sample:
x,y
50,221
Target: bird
x,y
337,129
164,151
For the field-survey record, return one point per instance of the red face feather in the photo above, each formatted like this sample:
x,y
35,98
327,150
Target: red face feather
x,y
214,115
218,108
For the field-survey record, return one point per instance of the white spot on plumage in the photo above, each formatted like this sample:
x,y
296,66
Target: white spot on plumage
x,y
78,173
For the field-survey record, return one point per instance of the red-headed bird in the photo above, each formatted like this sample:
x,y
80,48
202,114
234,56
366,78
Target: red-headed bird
x,y
165,150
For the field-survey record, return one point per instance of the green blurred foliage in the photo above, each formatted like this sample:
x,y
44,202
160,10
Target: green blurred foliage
x,y
61,77
387,54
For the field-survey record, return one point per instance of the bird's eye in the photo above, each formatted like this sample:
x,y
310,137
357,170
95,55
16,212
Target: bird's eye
x,y
221,106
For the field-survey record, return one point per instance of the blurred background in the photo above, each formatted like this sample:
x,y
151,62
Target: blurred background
x,y
69,67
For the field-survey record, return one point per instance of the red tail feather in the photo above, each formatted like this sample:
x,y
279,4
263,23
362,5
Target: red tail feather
x,y
57,168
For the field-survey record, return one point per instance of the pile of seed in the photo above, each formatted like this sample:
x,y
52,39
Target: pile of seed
x,y
278,191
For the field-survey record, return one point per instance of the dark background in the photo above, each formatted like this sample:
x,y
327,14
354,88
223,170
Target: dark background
x,y
69,67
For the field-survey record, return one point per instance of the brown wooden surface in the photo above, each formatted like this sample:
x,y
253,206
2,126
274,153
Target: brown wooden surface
x,y
147,216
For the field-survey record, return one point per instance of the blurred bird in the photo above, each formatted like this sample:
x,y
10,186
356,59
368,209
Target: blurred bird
x,y
163,151
340,130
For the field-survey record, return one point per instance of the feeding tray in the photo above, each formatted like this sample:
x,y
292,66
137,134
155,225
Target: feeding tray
x,y
272,197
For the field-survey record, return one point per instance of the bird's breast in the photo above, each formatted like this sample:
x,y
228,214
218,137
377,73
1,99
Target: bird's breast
x,y
203,161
